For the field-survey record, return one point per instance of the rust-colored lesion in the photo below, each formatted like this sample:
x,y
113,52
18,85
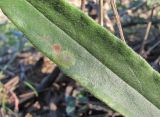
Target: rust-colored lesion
x,y
64,57
57,49
67,59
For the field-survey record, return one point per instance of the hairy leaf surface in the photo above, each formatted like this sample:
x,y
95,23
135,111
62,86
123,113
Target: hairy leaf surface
x,y
89,54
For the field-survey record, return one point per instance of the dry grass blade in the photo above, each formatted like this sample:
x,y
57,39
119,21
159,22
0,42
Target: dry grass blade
x,y
101,14
147,32
114,7
12,83
83,5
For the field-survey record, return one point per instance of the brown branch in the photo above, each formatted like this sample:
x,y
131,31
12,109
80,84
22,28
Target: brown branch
x,y
151,48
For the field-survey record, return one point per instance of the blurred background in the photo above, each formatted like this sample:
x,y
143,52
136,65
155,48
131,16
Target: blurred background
x,y
33,86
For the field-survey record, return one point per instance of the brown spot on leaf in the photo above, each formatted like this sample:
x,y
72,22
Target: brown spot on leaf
x,y
57,48
66,59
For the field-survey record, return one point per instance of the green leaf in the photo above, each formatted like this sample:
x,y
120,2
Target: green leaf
x,y
31,87
89,54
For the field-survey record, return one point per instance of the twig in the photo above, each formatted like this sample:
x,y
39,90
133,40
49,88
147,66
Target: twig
x,y
153,47
145,37
9,88
157,61
10,85
101,14
147,32
8,72
139,21
114,7
83,5
10,61
16,101
107,20
133,9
